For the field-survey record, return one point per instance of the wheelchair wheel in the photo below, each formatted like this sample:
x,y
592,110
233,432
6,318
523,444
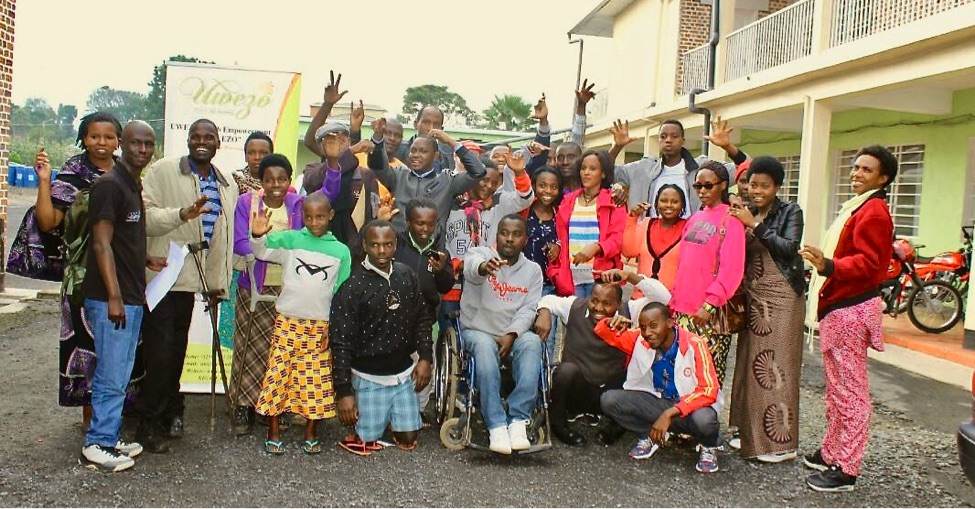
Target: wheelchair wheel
x,y
452,434
448,369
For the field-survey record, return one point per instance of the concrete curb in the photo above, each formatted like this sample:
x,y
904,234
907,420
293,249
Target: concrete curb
x,y
924,365
14,300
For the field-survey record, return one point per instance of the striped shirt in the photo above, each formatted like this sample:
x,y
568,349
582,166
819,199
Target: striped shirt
x,y
210,188
583,230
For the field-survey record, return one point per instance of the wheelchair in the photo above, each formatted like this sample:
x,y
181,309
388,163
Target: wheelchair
x,y
457,398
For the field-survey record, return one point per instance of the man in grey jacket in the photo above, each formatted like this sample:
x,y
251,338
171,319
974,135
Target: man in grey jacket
x,y
641,179
501,291
421,178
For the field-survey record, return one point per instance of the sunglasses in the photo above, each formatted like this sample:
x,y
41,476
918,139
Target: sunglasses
x,y
709,186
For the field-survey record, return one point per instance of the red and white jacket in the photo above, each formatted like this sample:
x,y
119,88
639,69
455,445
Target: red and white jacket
x,y
694,373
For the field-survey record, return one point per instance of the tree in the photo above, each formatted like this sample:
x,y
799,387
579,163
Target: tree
x,y
34,121
156,100
508,113
66,115
452,104
125,105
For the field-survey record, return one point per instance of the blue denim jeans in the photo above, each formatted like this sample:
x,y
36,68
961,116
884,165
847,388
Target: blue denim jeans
x,y
584,290
526,364
115,350
447,307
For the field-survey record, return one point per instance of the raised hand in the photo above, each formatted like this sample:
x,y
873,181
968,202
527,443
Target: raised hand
x,y
541,110
357,117
42,164
720,132
378,128
385,212
584,95
260,223
195,210
535,148
332,94
363,147
442,137
515,161
621,133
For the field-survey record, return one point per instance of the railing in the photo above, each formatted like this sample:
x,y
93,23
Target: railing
x,y
776,39
694,65
855,19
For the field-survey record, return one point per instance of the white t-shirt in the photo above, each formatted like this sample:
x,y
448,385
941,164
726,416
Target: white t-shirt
x,y
670,175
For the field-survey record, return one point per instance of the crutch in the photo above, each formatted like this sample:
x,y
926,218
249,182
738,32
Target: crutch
x,y
197,250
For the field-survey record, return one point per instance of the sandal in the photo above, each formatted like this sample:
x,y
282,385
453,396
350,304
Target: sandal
x,y
404,447
356,446
274,448
311,447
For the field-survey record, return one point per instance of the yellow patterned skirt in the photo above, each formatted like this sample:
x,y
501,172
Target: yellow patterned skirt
x,y
299,370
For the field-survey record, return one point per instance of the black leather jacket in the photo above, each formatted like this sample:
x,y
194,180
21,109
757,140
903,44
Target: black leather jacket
x,y
781,234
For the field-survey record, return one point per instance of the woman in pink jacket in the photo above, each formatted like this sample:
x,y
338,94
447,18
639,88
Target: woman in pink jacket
x,y
590,228
711,265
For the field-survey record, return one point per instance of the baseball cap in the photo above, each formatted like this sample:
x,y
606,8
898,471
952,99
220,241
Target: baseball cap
x,y
330,128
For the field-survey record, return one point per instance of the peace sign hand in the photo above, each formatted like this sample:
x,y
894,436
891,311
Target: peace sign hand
x,y
332,94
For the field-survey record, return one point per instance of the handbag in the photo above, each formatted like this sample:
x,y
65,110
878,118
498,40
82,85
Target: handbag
x,y
35,254
731,317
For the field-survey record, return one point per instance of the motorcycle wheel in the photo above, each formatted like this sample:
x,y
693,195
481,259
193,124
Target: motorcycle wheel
x,y
935,307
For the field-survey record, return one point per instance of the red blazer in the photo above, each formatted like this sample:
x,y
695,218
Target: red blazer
x,y
612,222
859,263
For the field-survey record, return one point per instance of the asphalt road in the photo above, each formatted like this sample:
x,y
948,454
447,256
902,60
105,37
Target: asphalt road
x,y
911,460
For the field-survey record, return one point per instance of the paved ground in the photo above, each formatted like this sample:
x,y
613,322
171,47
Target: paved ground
x,y
911,459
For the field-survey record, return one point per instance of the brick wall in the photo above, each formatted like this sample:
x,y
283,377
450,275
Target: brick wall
x,y
695,27
774,6
7,8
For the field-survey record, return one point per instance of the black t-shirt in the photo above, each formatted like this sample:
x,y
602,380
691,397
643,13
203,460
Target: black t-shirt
x,y
116,197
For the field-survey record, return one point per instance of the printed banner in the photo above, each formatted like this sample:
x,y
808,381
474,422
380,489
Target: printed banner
x,y
238,101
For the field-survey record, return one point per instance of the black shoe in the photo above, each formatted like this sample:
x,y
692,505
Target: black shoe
x,y
243,420
610,433
175,427
151,441
815,461
831,480
568,437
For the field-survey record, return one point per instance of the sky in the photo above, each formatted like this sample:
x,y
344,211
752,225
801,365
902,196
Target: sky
x,y
64,49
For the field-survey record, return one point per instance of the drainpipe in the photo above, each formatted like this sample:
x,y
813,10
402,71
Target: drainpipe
x,y
712,67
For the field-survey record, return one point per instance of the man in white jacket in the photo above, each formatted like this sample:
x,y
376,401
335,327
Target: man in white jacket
x,y
501,290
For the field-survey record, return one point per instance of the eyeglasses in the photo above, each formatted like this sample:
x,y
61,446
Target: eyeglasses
x,y
709,186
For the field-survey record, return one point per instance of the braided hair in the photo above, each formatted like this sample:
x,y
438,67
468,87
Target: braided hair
x,y
721,172
95,118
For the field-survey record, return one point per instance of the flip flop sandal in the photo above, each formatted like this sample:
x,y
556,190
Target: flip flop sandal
x,y
356,446
274,448
311,447
404,447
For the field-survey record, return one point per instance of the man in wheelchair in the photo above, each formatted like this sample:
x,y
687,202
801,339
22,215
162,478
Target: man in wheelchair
x,y
501,290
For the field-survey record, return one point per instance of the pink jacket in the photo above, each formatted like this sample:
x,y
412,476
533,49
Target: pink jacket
x,y
702,249
612,222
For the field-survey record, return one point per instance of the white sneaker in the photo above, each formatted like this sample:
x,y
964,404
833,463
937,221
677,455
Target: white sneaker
x,y
500,441
777,457
130,449
518,433
107,459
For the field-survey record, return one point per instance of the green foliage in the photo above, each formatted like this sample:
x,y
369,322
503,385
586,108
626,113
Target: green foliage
x,y
155,102
452,104
508,113
35,124
125,105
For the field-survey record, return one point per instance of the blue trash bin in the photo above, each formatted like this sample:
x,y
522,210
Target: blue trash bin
x,y
30,179
12,170
21,177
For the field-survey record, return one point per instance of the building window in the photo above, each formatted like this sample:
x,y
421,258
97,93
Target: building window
x,y
789,190
903,196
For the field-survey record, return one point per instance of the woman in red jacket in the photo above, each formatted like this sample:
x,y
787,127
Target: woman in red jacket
x,y
844,295
590,228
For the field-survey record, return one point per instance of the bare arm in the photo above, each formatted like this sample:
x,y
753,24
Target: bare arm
x,y
331,97
48,217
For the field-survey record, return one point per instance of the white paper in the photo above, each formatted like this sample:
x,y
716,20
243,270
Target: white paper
x,y
160,285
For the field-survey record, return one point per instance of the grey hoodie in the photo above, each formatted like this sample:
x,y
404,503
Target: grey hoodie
x,y
502,304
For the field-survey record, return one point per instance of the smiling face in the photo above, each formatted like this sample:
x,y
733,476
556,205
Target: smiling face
x,y
499,154
762,190
547,188
423,152
603,302
591,173
669,204
254,151
422,223
101,140
512,237
316,214
709,188
866,175
487,186
657,328
671,140
275,183
379,244
203,143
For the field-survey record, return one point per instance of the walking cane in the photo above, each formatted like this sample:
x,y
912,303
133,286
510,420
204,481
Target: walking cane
x,y
217,353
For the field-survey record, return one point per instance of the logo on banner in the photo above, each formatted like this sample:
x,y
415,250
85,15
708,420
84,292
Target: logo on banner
x,y
227,95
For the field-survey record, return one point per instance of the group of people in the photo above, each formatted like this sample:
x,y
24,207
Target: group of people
x,y
363,253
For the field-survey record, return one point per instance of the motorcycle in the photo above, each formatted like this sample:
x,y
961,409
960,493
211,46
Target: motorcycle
x,y
933,306
952,267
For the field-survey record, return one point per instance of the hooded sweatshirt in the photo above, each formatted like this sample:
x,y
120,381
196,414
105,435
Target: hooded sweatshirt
x,y
712,243
502,304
